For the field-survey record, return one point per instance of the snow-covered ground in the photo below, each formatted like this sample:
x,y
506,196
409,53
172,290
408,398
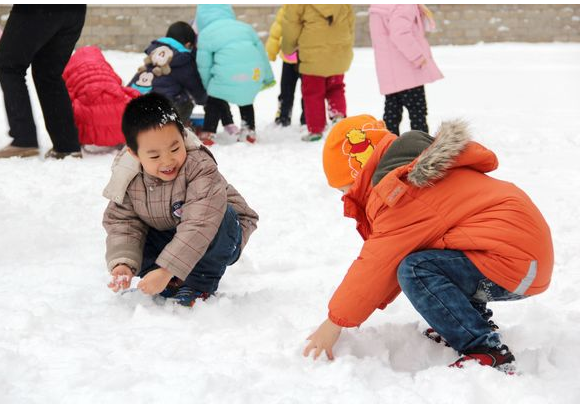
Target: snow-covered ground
x,y
66,338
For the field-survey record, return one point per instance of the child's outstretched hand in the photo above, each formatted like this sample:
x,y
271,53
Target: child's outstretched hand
x,y
122,275
323,339
155,281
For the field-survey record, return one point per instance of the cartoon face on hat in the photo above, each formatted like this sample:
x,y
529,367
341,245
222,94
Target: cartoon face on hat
x,y
349,146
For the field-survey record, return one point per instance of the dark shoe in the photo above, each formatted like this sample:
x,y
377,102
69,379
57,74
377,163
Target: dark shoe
x,y
283,121
499,358
172,288
16,151
187,296
52,154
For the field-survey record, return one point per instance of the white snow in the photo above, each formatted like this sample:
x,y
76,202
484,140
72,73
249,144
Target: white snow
x,y
66,338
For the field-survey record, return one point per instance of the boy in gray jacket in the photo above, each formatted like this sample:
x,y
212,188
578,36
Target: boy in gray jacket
x,y
173,219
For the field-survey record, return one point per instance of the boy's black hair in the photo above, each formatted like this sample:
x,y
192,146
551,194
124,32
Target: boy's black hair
x,y
149,111
182,32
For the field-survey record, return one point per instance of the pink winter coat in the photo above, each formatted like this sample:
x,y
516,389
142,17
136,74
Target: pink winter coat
x,y
398,38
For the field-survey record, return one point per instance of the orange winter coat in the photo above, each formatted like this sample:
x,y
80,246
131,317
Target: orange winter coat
x,y
441,200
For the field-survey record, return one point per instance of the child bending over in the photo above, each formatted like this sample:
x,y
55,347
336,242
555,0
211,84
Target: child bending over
x,y
437,227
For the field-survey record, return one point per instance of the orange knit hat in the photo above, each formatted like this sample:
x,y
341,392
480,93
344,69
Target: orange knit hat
x,y
348,147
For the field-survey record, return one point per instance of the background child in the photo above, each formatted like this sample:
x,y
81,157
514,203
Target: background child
x,y
98,98
170,69
324,35
172,216
289,76
233,66
438,228
403,61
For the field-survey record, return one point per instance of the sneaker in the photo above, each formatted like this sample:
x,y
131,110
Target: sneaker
x,y
337,118
434,336
53,154
232,129
172,288
16,151
499,358
187,296
312,137
248,135
206,138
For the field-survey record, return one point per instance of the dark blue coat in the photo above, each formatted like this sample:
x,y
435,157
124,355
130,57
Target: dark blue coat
x,y
181,84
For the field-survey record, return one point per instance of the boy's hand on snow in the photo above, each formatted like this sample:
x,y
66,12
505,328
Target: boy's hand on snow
x,y
122,275
155,281
323,339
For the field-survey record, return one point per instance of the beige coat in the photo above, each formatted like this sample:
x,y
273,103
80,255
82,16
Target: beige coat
x,y
323,34
140,201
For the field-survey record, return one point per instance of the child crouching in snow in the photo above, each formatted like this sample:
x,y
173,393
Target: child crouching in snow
x,y
438,228
173,219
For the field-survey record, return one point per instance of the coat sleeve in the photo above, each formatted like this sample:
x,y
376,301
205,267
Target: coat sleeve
x,y
371,281
401,25
201,217
291,28
193,83
126,234
204,60
273,42
247,217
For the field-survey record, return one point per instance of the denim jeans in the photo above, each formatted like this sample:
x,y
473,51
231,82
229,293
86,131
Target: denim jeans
x,y
224,250
450,293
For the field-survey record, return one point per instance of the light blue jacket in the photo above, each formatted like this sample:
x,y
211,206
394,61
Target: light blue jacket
x,y
231,59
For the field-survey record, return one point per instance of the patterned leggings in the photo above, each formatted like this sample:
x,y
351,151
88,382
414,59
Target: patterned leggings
x,y
414,100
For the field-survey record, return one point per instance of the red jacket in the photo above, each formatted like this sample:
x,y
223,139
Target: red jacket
x,y
441,200
97,96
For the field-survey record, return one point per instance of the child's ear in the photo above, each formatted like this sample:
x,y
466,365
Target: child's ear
x,y
133,154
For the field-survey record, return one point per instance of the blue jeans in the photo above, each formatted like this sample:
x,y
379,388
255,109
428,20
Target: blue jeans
x,y
450,293
224,250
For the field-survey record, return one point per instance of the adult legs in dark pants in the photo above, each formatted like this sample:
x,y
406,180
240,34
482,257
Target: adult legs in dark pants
x,y
44,38
414,100
224,250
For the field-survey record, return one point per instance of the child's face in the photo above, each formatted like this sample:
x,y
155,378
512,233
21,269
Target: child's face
x,y
161,152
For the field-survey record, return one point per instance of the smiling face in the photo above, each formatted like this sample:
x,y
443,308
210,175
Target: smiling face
x,y
161,152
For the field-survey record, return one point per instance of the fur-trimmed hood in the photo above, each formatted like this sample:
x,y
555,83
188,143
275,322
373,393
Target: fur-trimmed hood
x,y
425,160
451,139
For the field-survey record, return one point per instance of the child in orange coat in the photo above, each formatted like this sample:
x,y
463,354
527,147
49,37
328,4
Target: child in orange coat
x,y
438,228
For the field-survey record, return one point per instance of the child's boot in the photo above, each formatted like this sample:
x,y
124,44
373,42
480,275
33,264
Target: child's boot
x,y
499,358
248,135
186,296
206,138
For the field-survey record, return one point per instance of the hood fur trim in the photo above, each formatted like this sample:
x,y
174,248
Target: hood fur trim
x,y
451,139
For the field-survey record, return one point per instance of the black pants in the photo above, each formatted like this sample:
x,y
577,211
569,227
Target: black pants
x,y
184,110
288,83
216,108
43,37
414,100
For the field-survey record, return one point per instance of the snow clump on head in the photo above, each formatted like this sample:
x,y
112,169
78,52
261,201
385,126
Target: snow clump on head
x,y
146,112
